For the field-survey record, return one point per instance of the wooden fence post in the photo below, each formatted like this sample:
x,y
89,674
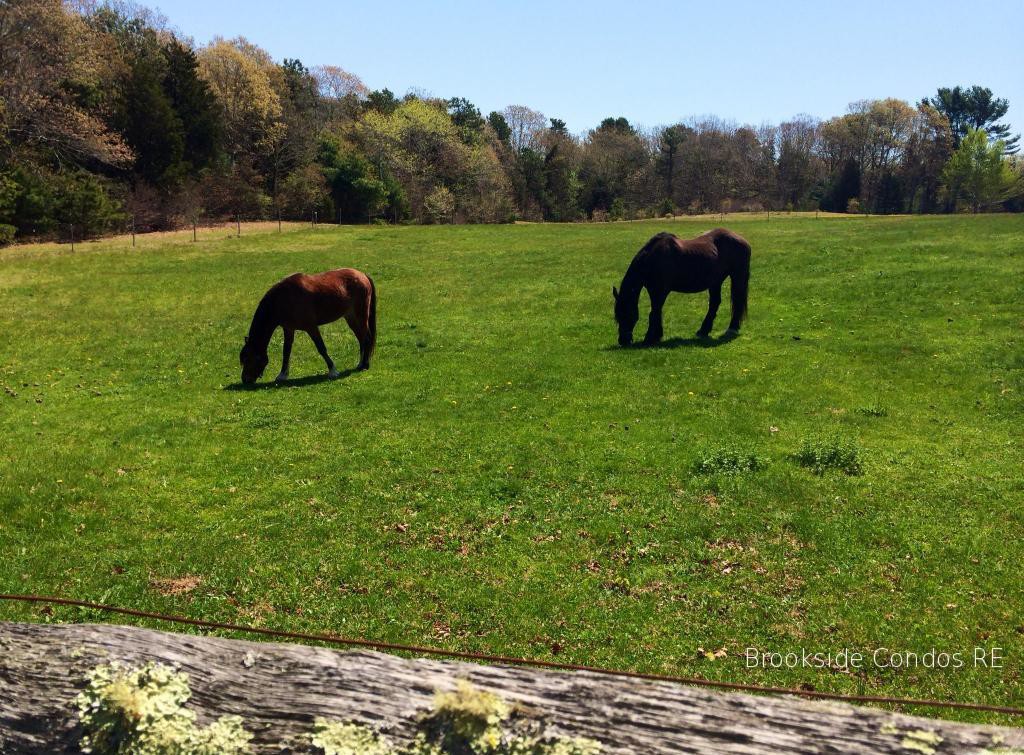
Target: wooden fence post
x,y
278,690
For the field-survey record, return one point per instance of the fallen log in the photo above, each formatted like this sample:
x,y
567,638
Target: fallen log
x,y
279,690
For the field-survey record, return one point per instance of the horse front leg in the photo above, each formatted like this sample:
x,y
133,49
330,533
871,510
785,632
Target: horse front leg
x,y
714,300
318,341
289,339
654,323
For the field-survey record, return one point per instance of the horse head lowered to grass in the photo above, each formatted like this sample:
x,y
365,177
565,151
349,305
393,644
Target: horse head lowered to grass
x,y
305,302
667,263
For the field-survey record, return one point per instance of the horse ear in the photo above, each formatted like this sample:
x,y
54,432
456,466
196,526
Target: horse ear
x,y
615,292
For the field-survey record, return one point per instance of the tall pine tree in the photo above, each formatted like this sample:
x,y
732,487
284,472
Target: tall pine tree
x,y
194,104
974,108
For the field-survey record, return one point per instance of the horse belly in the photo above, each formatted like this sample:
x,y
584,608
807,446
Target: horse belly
x,y
309,313
697,274
693,284
329,312
690,287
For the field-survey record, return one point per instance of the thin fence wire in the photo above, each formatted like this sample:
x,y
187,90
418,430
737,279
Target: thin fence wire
x,y
134,232
510,660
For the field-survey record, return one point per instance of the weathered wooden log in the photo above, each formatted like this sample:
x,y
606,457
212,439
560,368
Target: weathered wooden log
x,y
280,689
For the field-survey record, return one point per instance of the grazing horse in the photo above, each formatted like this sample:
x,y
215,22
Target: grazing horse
x,y
304,302
667,263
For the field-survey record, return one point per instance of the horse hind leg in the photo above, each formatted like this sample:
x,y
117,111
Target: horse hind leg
x,y
361,331
714,300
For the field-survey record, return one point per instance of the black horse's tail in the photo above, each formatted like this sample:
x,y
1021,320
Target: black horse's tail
x,y
371,321
740,281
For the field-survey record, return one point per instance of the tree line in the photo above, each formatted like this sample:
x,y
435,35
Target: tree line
x,y
107,116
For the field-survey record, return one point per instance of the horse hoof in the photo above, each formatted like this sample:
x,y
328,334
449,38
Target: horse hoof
x,y
702,334
362,366
732,332
282,377
333,373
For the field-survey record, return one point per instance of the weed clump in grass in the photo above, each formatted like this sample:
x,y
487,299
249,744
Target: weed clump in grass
x,y
728,461
874,410
824,455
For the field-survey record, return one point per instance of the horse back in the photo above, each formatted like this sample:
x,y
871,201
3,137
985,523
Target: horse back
x,y
730,245
692,265
723,250
684,265
309,300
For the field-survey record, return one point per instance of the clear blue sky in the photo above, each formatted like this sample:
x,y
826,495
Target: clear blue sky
x,y
652,62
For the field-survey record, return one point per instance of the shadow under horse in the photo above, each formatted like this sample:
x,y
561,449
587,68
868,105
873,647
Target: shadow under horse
x,y
305,302
667,263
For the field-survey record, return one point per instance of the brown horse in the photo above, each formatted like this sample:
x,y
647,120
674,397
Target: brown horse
x,y
304,302
666,263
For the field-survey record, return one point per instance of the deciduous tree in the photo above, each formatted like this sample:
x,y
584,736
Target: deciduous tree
x,y
978,175
525,126
241,76
52,73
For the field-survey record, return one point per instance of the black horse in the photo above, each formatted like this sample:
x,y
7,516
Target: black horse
x,y
667,263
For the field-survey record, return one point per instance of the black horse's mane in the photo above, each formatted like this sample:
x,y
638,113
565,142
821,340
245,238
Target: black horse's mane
x,y
633,280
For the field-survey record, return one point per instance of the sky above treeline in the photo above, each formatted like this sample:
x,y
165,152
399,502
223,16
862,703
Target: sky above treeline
x,y
655,63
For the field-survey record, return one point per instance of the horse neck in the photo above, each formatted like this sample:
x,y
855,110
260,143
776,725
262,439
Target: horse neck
x,y
264,322
632,282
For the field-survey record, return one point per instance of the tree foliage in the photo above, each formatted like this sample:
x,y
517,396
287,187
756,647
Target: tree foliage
x,y
247,86
978,175
105,114
972,108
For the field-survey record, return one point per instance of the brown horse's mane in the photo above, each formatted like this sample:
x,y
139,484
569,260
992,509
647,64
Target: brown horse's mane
x,y
263,321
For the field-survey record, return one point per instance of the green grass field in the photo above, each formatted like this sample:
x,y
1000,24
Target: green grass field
x,y
505,479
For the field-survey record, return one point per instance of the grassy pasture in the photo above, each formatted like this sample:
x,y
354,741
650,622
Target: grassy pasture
x,y
507,480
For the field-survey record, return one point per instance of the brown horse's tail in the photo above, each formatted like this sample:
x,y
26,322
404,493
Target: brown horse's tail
x,y
740,283
371,320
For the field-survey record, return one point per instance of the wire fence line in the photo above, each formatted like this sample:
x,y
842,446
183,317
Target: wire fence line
x,y
508,660
73,234
127,238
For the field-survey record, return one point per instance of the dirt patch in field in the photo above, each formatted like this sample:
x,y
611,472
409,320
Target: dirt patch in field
x,y
176,585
